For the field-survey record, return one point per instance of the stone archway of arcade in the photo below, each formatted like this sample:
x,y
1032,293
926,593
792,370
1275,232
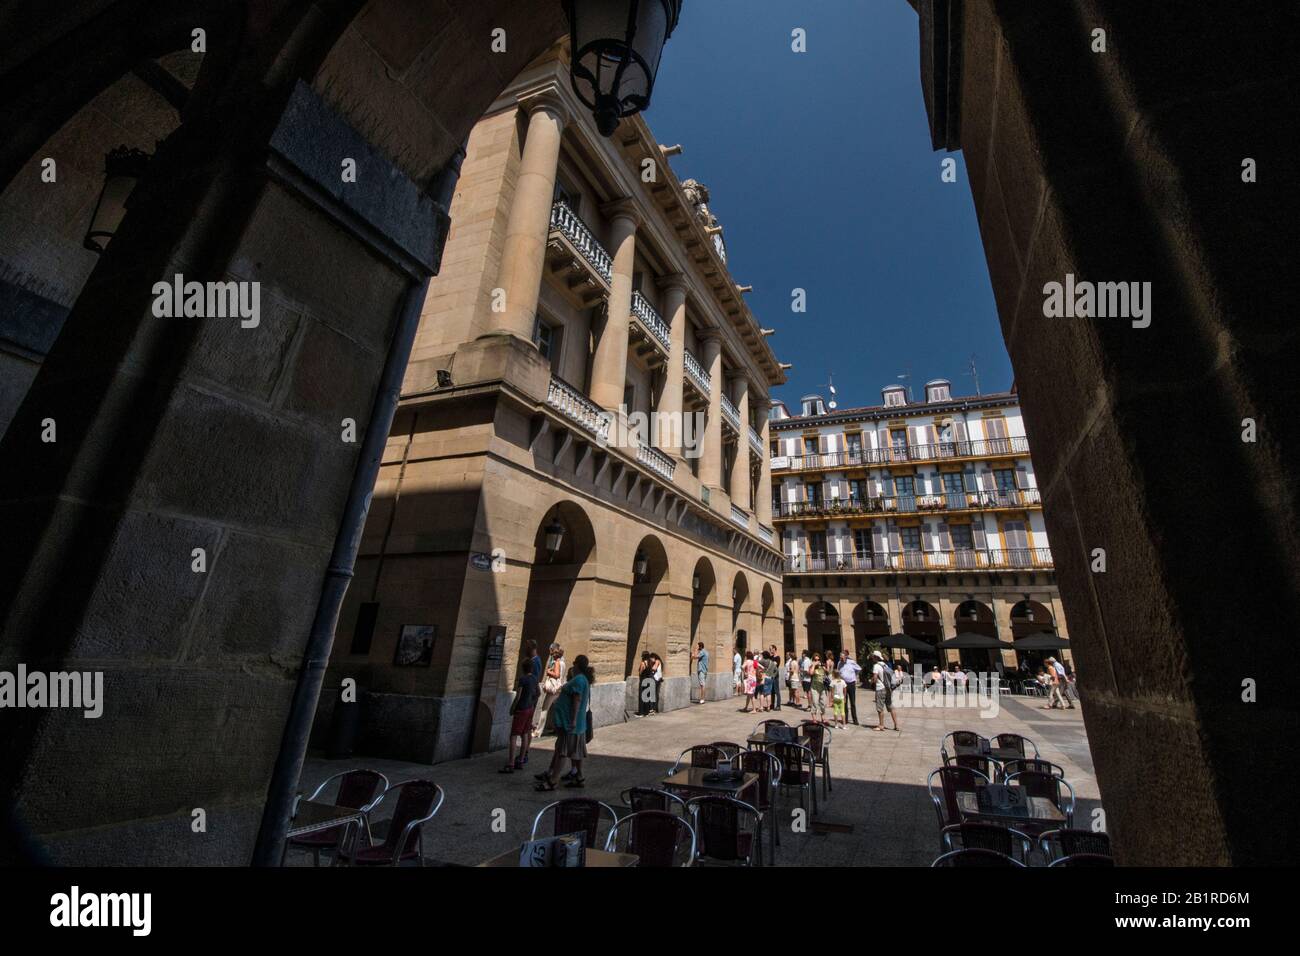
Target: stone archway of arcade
x,y
170,438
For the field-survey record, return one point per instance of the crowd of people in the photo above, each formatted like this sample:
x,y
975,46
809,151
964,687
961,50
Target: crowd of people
x,y
823,685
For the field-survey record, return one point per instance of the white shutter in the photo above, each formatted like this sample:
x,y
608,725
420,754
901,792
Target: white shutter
x,y
977,529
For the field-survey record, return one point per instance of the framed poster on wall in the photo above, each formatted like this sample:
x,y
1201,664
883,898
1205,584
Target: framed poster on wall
x,y
415,645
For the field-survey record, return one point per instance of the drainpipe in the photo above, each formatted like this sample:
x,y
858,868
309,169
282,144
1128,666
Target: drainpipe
x,y
306,692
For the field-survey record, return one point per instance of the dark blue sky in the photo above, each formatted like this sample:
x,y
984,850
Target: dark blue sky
x,y
820,170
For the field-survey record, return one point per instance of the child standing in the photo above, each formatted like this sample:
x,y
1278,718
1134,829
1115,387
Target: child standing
x,y
838,687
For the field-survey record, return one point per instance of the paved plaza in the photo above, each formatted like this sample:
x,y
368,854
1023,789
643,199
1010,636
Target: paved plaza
x,y
878,778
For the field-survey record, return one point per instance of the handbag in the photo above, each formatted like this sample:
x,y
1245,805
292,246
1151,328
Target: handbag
x,y
591,729
552,685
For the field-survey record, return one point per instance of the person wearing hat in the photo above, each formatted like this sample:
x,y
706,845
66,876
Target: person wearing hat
x,y
882,676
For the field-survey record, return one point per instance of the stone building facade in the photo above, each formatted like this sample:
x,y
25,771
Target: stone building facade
x,y
581,292
921,517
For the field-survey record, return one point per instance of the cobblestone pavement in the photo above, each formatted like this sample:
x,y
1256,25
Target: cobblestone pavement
x,y
879,779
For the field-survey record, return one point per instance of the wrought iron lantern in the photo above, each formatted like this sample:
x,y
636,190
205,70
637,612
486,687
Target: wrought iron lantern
x,y
615,51
123,168
695,583
554,538
640,564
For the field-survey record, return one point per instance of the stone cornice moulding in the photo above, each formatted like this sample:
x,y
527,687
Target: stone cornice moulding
x,y
550,98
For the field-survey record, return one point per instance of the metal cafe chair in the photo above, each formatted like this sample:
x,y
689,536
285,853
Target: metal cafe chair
x,y
418,801
651,798
701,755
730,750
798,770
986,836
975,857
576,815
658,838
1055,844
1015,742
985,765
1036,784
768,767
727,830
1083,859
1020,765
358,790
764,724
819,741
963,741
952,780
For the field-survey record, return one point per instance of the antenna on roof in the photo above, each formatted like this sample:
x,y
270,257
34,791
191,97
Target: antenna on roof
x,y
974,373
908,377
830,378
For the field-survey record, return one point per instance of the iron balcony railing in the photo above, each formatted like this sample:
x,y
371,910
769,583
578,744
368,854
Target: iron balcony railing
x,y
643,310
697,374
937,451
665,466
755,442
566,222
740,516
951,560
576,407
826,506
730,414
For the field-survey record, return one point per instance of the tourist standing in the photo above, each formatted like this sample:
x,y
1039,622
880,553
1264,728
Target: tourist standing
x,y
572,725
701,659
657,675
748,681
552,681
645,687
774,675
737,671
817,683
849,670
522,708
792,677
882,679
805,678
838,686
1056,673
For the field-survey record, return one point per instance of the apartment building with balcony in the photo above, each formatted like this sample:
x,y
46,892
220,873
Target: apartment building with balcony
x,y
921,517
582,283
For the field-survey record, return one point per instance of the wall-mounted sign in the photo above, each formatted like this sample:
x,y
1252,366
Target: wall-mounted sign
x,y
481,561
415,645
780,461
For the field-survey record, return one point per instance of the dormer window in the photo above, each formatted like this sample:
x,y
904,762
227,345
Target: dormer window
x,y
812,405
894,396
939,390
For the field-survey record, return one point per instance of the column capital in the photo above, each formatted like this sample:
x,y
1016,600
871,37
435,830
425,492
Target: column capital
x,y
709,334
624,207
672,280
547,98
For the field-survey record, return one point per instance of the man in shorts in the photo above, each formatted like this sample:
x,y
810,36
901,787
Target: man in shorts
x,y
701,669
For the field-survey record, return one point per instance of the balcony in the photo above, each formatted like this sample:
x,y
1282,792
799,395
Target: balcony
x,y
765,535
938,451
730,414
755,443
697,377
958,560
665,466
891,505
649,333
740,516
579,409
576,258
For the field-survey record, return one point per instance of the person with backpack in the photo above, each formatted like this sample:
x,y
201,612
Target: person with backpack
x,y
882,676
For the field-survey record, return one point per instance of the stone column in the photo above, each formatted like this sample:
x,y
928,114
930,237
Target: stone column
x,y
740,467
670,399
763,506
711,459
609,364
523,251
